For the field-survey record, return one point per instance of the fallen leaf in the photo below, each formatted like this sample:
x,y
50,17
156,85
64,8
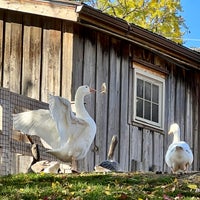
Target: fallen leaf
x,y
107,192
88,189
179,196
165,197
192,186
173,189
123,196
72,193
175,180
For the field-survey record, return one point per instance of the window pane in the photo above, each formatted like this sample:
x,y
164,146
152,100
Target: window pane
x,y
139,108
155,93
155,113
147,110
140,88
148,91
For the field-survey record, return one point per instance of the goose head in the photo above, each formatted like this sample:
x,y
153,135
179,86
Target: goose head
x,y
174,128
81,92
84,90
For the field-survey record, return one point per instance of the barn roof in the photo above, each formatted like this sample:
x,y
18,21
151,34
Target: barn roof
x,y
95,19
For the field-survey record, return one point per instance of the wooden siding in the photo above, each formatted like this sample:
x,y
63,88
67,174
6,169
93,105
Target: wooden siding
x,y
33,55
42,55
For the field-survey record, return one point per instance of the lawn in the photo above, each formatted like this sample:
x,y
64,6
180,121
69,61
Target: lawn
x,y
98,186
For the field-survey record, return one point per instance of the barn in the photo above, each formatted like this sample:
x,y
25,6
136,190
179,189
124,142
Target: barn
x,y
56,46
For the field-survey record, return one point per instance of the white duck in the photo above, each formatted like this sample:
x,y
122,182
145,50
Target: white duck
x,y
66,134
179,155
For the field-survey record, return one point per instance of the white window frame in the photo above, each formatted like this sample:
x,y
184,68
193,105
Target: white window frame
x,y
153,78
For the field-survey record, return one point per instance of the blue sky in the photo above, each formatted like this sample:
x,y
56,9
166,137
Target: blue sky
x,y
191,14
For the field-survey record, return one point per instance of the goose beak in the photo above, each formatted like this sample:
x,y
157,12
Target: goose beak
x,y
92,90
170,132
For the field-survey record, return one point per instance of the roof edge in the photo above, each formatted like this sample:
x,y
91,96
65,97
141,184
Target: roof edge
x,y
55,9
136,33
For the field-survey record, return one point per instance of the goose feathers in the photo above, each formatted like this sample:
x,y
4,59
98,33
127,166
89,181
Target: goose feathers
x,y
67,135
179,155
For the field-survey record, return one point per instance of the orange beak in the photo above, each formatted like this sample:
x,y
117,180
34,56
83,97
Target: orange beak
x,y
92,90
170,132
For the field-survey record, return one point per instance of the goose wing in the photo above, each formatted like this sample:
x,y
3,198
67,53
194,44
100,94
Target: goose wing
x,y
40,123
68,125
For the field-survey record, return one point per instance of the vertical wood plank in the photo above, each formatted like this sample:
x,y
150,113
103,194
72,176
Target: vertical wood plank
x,y
78,58
197,131
136,146
170,111
124,111
147,150
51,59
67,59
31,68
195,106
13,52
89,76
179,103
158,154
188,117
131,94
1,47
114,90
102,99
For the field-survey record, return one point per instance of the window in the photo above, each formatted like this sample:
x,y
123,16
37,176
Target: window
x,y
148,98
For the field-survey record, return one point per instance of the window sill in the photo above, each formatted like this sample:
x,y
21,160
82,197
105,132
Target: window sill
x,y
147,126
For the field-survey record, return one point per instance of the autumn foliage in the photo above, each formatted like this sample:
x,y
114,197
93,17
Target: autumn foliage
x,y
159,16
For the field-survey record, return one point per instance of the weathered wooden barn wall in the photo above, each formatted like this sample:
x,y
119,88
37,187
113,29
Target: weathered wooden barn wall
x,y
183,100
33,56
41,55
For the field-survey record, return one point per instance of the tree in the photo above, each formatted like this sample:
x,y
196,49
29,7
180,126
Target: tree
x,y
159,16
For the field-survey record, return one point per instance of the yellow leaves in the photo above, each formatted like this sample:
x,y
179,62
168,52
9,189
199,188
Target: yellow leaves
x,y
192,186
55,185
107,190
88,189
175,180
72,193
159,16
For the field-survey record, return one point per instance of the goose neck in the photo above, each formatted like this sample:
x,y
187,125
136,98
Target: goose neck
x,y
80,108
176,136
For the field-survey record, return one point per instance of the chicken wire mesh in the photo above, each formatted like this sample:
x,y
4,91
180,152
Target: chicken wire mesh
x,y
15,148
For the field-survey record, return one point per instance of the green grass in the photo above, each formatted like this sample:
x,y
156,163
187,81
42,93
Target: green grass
x,y
95,186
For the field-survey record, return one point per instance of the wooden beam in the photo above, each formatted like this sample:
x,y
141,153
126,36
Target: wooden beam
x,y
58,10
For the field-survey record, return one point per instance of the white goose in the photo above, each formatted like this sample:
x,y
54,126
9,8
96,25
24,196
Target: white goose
x,y
66,134
179,155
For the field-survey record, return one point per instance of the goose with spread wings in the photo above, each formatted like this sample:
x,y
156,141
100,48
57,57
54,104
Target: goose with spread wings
x,y
67,135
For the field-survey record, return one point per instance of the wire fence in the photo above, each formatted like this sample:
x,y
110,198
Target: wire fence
x,y
15,148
